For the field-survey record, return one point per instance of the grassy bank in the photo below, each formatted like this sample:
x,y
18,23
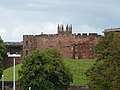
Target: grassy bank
x,y
77,67
8,73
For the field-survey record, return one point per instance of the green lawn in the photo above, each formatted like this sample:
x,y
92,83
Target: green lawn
x,y
77,67
8,73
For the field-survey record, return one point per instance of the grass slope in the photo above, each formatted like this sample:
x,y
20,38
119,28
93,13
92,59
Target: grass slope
x,y
77,67
8,73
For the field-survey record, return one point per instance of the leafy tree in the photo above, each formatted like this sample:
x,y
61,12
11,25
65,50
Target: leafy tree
x,y
2,52
44,71
105,74
59,74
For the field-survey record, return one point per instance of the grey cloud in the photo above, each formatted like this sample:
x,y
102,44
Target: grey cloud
x,y
94,15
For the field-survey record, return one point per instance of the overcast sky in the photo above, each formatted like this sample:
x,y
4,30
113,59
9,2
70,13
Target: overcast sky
x,y
21,17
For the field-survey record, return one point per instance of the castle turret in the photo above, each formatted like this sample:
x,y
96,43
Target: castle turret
x,y
58,28
70,29
62,31
62,27
67,28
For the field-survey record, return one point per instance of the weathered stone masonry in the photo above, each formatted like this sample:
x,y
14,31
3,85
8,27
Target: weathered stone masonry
x,y
77,46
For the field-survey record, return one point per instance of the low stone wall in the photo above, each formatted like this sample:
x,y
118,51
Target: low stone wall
x,y
9,86
77,87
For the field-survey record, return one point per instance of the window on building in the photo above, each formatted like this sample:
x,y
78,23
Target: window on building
x,y
51,46
68,46
26,43
26,52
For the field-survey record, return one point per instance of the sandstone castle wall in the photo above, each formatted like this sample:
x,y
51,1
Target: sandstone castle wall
x,y
71,45
77,46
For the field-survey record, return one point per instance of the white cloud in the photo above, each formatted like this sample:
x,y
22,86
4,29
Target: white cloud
x,y
2,30
28,29
19,17
2,33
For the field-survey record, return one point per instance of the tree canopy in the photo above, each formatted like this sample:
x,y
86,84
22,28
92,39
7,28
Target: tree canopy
x,y
2,52
44,70
105,74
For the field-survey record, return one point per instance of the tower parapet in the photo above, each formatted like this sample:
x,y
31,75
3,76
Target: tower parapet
x,y
61,29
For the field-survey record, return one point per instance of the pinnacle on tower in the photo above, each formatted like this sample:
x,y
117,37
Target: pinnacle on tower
x,y
70,28
62,27
67,27
58,26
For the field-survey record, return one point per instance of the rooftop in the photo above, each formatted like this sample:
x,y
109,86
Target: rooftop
x,y
112,30
13,43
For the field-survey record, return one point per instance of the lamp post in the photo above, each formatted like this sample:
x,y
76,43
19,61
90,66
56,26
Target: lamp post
x,y
2,82
29,88
14,56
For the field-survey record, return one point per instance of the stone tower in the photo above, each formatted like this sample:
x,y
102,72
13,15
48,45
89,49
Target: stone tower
x,y
62,31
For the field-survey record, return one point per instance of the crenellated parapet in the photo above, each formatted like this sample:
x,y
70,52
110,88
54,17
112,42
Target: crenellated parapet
x,y
88,35
47,35
62,30
71,45
63,41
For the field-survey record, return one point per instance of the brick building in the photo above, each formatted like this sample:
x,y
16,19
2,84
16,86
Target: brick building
x,y
77,46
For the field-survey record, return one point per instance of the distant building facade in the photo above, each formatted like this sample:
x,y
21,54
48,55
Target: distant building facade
x,y
77,46
12,48
115,30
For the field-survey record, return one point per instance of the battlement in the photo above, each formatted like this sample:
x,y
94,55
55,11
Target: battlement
x,y
62,30
80,35
41,36
28,36
88,35
47,35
